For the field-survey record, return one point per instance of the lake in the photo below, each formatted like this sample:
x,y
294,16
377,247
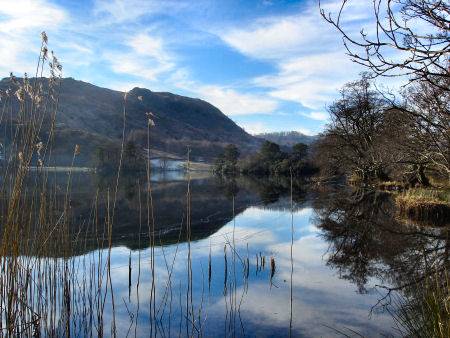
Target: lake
x,y
224,257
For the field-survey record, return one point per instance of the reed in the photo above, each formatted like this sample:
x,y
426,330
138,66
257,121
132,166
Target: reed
x,y
426,312
45,288
272,268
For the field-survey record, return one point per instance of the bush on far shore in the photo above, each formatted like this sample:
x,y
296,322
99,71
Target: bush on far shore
x,y
270,160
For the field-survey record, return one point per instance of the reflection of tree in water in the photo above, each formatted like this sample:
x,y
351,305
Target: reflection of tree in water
x,y
229,186
367,241
272,188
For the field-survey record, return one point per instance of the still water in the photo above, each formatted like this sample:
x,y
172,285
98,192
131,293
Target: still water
x,y
238,257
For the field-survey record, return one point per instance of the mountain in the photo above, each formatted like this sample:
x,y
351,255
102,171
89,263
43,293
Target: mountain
x,y
92,117
288,138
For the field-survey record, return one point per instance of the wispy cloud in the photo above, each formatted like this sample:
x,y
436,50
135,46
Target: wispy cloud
x,y
230,101
29,15
276,37
307,52
233,103
21,22
146,57
295,60
255,128
316,115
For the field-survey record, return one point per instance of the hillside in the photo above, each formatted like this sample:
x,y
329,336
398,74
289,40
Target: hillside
x,y
288,138
92,117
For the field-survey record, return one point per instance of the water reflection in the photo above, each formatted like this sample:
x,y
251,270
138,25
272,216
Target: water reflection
x,y
368,242
237,302
254,263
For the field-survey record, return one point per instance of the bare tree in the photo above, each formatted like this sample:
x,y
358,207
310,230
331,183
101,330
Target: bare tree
x,y
429,108
418,131
417,30
355,130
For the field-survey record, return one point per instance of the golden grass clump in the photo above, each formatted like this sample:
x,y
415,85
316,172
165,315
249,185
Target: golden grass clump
x,y
425,205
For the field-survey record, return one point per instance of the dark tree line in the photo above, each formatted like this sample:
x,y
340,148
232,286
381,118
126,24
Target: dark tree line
x,y
269,160
370,137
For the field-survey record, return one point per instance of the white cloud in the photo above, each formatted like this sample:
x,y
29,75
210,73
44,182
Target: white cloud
x,y
76,47
316,115
148,45
133,65
305,131
307,52
232,102
26,15
282,37
21,22
271,38
229,100
147,57
307,55
254,128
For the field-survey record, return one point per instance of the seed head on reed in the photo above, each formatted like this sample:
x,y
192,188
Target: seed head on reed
x,y
44,37
20,94
55,62
39,148
77,149
13,79
27,86
37,100
151,123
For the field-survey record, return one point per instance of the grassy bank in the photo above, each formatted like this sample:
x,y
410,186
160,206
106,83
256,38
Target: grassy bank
x,y
425,204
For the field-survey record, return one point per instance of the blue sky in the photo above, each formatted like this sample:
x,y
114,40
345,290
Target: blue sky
x,y
268,65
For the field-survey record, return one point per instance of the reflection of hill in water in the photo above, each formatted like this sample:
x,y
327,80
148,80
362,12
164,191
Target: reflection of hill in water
x,y
211,207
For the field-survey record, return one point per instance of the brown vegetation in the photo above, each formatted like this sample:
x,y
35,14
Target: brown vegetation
x,y
425,205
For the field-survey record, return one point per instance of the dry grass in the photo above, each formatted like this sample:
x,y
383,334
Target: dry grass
x,y
425,204
427,312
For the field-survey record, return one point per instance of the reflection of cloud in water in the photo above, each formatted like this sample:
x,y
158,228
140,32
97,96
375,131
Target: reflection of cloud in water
x,y
319,296
257,227
320,299
314,311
